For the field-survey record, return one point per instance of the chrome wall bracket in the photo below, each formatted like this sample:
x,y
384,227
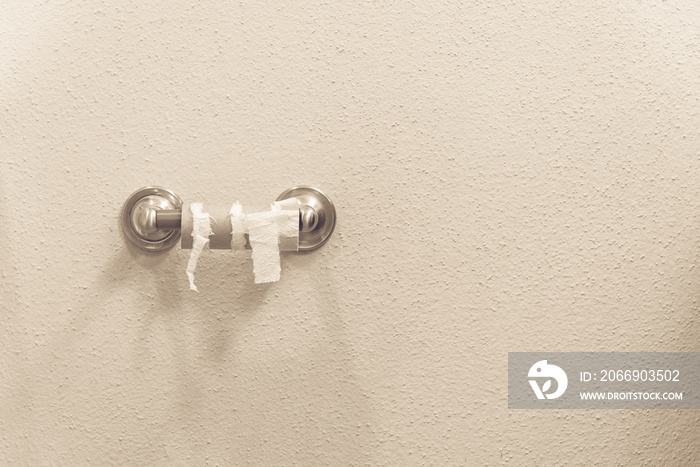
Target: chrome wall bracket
x,y
316,216
139,219
151,217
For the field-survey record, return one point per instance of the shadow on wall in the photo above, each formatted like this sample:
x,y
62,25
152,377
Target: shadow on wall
x,y
642,440
239,360
288,360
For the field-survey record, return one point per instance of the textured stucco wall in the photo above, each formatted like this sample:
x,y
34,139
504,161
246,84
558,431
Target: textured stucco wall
x,y
509,176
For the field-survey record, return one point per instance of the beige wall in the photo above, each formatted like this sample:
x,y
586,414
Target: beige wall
x,y
509,176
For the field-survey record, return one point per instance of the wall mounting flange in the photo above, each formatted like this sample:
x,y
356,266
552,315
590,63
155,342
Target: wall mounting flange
x,y
138,218
316,216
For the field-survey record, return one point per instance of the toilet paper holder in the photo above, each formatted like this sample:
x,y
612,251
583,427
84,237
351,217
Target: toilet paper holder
x,y
152,217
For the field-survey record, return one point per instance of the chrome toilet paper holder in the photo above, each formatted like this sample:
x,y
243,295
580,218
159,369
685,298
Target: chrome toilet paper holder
x,y
152,217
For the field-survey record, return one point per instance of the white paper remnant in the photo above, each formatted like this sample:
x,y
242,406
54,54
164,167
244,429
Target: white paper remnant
x,y
269,232
201,230
237,228
287,218
262,233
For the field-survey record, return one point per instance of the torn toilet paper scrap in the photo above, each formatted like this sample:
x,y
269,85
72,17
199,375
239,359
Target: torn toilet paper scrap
x,y
262,233
287,218
238,228
201,230
268,232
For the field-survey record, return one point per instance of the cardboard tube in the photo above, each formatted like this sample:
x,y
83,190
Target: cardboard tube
x,y
220,239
